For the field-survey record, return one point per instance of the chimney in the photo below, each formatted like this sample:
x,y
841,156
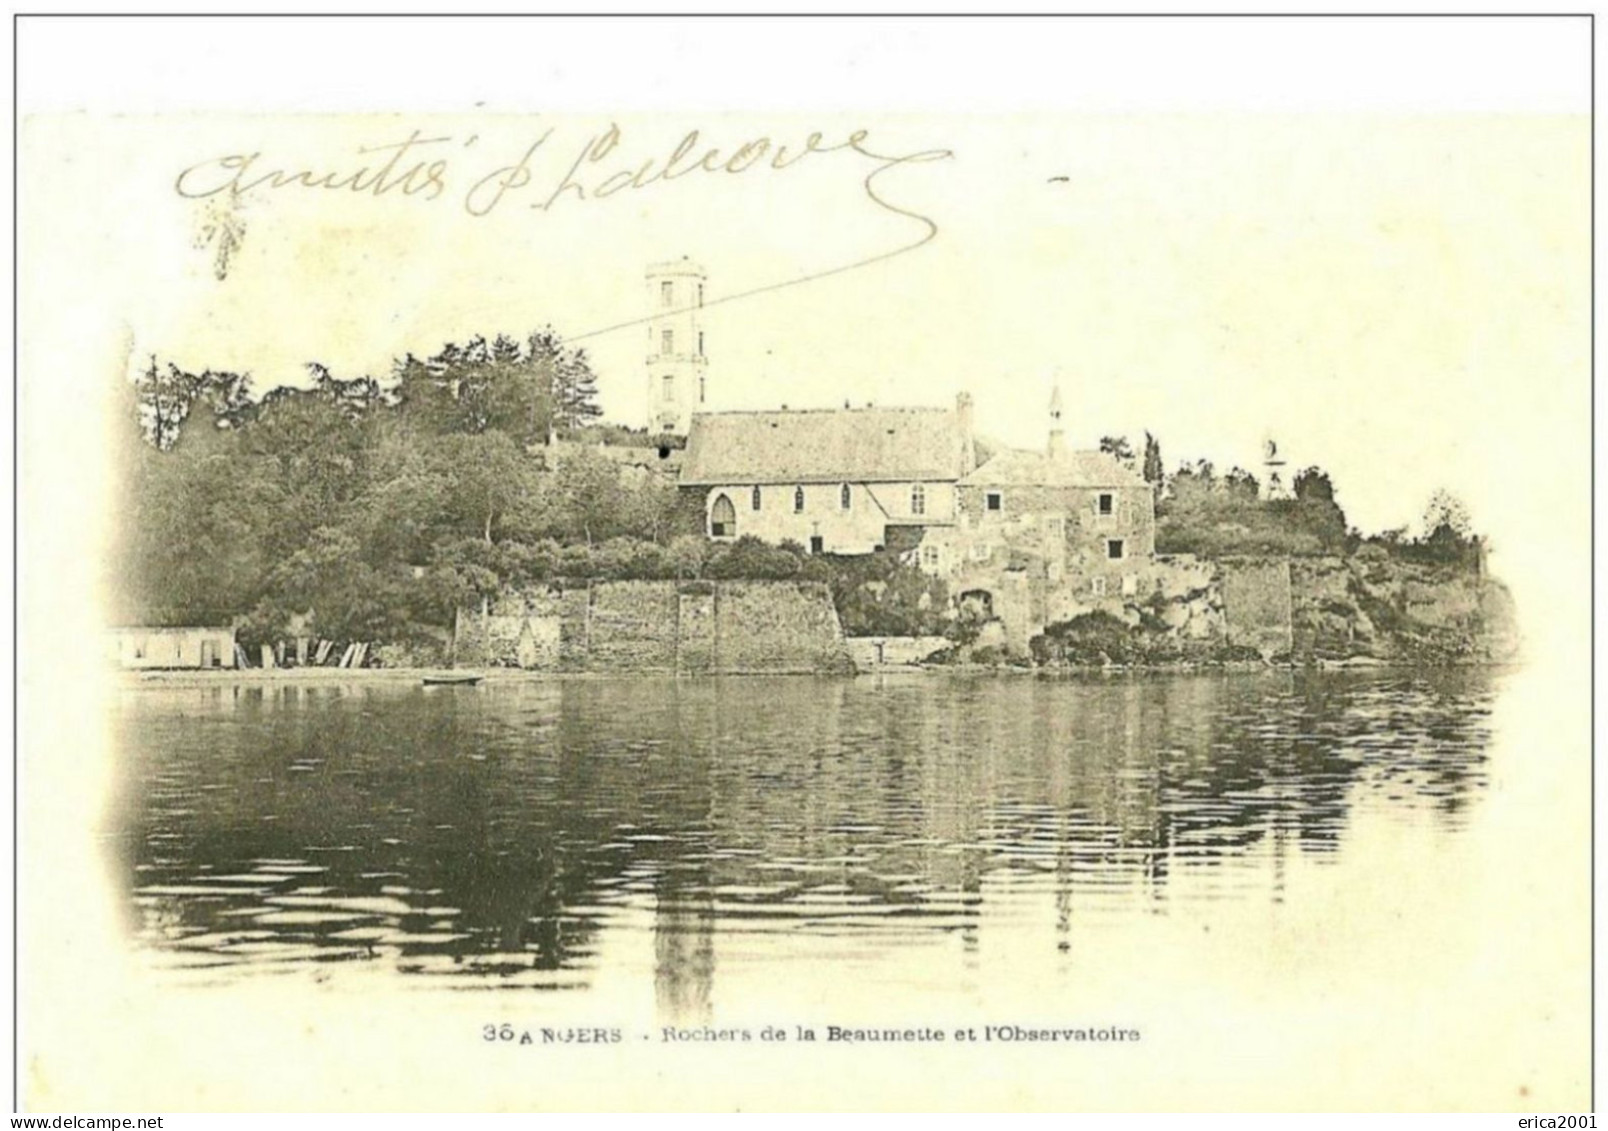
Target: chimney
x,y
968,446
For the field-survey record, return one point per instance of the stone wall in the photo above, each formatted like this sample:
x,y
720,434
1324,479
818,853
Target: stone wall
x,y
777,626
1257,604
872,652
661,626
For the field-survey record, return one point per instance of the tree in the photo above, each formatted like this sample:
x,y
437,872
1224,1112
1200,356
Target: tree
x,y
573,384
1152,467
589,493
1446,510
527,390
1116,446
1241,484
1313,484
167,395
353,398
191,536
486,476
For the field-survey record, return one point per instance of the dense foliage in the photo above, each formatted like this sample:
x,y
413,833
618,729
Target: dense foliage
x,y
367,510
1214,516
362,510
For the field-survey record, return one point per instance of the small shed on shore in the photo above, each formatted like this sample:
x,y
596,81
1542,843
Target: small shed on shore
x,y
143,647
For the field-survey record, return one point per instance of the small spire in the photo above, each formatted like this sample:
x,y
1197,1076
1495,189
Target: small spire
x,y
1056,448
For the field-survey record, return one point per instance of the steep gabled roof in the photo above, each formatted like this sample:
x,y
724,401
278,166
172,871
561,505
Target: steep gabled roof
x,y
1015,468
854,445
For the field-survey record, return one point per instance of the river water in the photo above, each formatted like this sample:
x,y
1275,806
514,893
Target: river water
x,y
517,835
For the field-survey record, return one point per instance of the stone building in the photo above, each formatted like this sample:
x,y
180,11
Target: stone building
x,y
1042,536
1081,516
842,481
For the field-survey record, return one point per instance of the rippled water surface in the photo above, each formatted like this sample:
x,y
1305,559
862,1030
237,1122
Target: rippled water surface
x,y
498,837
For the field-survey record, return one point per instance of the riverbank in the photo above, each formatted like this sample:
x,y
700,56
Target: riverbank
x,y
260,677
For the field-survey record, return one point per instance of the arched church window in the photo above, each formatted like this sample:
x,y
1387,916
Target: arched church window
x,y
722,518
798,500
844,497
756,498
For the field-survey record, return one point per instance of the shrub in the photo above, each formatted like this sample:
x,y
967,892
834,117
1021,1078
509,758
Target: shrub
x,y
1091,638
749,559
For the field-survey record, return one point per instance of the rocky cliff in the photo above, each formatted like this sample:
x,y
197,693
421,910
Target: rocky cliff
x,y
1370,607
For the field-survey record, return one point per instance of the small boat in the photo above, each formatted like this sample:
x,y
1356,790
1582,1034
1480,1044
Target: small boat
x,y
452,679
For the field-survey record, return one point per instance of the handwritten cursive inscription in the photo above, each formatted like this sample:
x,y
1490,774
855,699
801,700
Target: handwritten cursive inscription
x,y
549,175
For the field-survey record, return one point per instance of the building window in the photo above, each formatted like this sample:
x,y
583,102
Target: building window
x,y
817,545
700,294
918,499
700,388
844,497
1130,584
668,388
700,343
667,341
993,501
722,518
1114,549
981,552
1108,503
755,498
667,294
929,557
798,500
1098,587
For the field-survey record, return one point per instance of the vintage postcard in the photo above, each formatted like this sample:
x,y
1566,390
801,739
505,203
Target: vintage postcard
x,y
793,564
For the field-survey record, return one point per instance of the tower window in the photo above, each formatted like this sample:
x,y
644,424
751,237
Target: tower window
x,y
667,294
667,341
994,501
918,499
1114,549
756,497
668,388
798,500
1108,503
845,497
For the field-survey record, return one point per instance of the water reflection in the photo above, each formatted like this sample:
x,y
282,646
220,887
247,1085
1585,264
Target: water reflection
x,y
490,837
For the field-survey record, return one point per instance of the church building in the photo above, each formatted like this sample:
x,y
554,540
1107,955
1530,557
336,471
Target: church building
x,y
838,481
